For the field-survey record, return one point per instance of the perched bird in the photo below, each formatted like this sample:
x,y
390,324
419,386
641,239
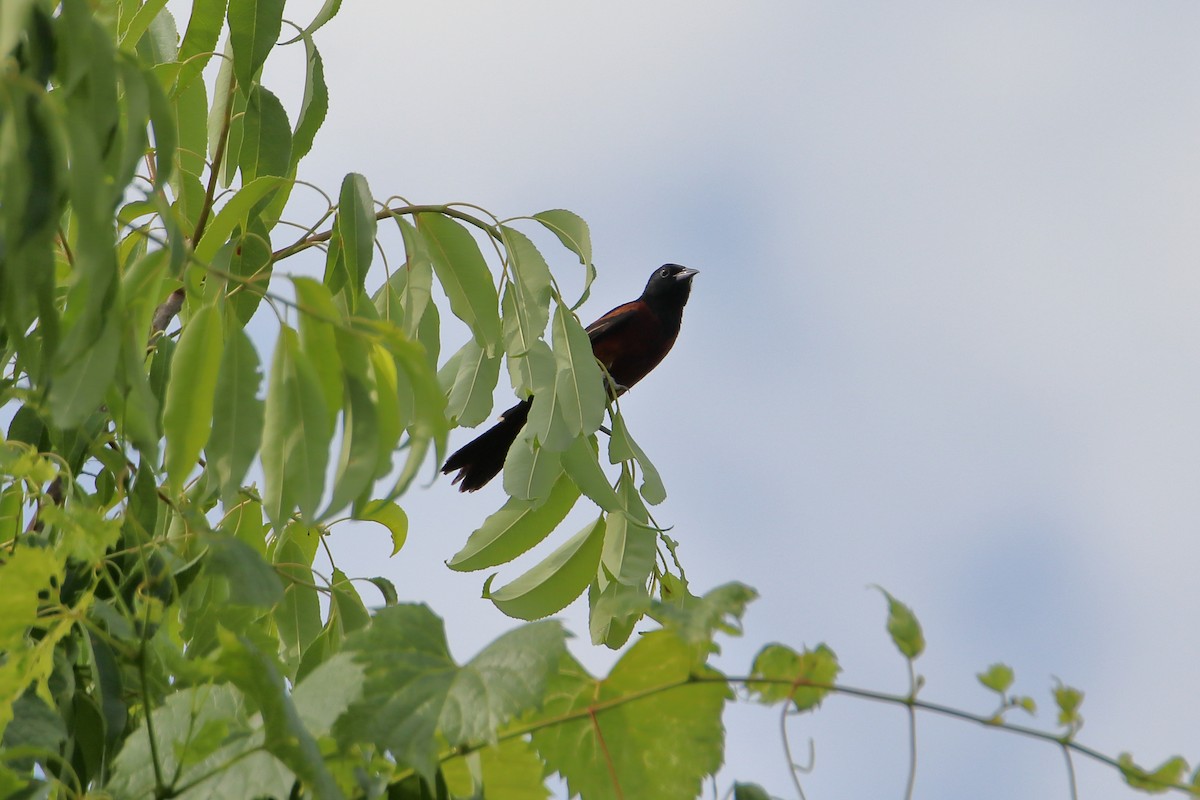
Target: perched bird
x,y
629,341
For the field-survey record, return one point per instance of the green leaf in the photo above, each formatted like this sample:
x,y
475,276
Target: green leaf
x,y
314,105
571,230
355,227
629,550
903,627
286,737
664,744
319,342
406,295
387,589
25,574
749,791
296,434
526,306
191,391
391,419
1068,699
697,619
622,447
233,214
250,267
530,470
328,10
551,585
415,689
997,677
1156,781
579,381
464,276
200,40
545,423
356,464
470,400
788,675
237,420
515,528
252,581
614,611
390,516
579,460
196,729
298,615
327,692
80,381
266,145
510,770
140,22
253,30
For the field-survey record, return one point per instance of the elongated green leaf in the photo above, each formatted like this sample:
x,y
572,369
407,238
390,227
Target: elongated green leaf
x,y
314,105
200,39
318,340
551,585
470,400
296,434
360,451
579,380
166,132
140,22
223,95
391,419
80,381
515,528
579,461
571,230
354,227
191,392
622,447
266,147
464,276
415,283
667,743
237,422
250,266
530,470
629,550
232,215
328,10
526,305
253,30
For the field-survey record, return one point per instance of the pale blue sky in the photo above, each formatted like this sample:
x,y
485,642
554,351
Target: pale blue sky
x,y
944,338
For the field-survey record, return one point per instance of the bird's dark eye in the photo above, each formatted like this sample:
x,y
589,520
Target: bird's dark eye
x,y
664,272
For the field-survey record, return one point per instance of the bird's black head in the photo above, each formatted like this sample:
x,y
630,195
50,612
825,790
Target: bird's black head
x,y
670,284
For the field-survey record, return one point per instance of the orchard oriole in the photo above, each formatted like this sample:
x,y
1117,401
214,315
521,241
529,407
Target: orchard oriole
x,y
629,341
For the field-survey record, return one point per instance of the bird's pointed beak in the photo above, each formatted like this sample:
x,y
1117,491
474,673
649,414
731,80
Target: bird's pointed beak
x,y
686,273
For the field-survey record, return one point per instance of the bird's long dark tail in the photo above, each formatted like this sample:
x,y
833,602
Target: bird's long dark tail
x,y
482,458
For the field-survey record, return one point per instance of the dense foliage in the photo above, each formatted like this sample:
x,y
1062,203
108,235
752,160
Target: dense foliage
x,y
165,486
